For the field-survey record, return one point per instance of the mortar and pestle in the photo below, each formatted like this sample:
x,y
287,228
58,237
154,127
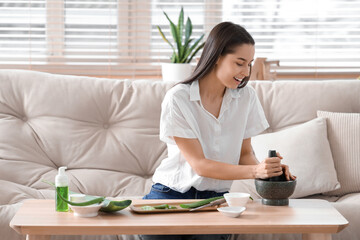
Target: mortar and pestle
x,y
275,191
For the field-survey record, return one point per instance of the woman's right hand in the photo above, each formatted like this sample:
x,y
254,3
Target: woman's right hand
x,y
269,167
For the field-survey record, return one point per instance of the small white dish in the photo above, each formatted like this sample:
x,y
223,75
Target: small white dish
x,y
237,199
78,197
86,211
231,211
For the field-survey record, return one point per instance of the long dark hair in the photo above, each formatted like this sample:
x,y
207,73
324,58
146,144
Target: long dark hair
x,y
222,40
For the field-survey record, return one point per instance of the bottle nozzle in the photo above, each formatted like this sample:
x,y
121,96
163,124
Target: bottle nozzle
x,y
61,170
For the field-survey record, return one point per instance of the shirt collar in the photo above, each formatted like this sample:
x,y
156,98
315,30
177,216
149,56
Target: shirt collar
x,y
235,93
195,91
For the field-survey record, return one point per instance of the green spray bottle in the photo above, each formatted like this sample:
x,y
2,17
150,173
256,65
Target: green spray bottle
x,y
62,187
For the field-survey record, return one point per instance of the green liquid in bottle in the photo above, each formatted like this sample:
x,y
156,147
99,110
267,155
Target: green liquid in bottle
x,y
62,206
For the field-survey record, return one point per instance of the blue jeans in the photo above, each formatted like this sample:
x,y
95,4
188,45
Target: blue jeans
x,y
159,191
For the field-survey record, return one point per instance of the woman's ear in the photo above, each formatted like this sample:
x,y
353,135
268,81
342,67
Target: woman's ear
x,y
218,60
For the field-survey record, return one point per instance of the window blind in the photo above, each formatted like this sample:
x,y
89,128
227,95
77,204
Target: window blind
x,y
119,38
22,33
309,36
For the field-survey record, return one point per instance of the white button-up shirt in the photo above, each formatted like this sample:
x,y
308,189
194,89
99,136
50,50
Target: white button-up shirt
x,y
182,115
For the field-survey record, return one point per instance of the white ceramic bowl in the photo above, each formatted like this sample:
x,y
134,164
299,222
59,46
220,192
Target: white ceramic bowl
x,y
237,199
78,197
86,211
231,211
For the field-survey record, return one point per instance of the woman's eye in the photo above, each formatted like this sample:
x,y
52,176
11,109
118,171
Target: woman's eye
x,y
240,64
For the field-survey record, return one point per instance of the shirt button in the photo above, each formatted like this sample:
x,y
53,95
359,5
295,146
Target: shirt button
x,y
106,126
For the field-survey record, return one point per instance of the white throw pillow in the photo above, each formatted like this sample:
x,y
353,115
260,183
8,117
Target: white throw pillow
x,y
305,148
344,137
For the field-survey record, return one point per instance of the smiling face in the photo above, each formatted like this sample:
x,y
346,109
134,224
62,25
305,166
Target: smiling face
x,y
232,68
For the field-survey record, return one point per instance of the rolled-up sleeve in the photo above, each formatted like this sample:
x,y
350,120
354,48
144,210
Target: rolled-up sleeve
x,y
173,122
256,122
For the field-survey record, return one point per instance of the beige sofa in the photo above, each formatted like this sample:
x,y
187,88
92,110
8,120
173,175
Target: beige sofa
x,y
106,132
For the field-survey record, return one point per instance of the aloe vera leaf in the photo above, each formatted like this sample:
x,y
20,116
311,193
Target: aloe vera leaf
x,y
48,182
200,203
147,208
114,206
86,203
174,33
163,206
87,197
107,205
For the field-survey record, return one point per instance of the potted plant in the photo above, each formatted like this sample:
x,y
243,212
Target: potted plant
x,y
184,49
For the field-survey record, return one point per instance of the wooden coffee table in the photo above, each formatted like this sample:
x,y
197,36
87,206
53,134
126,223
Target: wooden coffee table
x,y
315,219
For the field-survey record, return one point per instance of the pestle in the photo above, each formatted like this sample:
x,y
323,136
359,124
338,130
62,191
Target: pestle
x,y
275,191
272,153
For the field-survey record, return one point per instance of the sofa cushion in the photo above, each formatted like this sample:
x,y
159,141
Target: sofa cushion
x,y
287,103
105,131
349,206
344,138
350,198
306,150
7,212
12,193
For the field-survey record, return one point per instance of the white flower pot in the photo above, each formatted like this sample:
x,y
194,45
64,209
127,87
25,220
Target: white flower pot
x,y
176,72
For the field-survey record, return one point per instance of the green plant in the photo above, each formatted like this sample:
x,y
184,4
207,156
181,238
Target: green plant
x,y
184,51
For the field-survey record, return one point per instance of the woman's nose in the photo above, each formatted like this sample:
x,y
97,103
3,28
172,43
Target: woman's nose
x,y
246,71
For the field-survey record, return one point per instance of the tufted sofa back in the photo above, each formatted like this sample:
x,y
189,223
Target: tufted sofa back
x,y
106,131
289,103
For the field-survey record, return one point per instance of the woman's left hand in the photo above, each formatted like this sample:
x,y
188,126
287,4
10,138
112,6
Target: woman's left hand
x,y
286,170
288,175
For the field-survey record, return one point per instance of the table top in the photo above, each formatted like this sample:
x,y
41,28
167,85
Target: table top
x,y
38,217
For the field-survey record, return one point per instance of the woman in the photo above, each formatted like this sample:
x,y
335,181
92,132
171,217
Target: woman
x,y
208,121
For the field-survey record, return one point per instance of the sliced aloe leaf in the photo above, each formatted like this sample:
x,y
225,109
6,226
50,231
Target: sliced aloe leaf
x,y
107,205
114,206
148,208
